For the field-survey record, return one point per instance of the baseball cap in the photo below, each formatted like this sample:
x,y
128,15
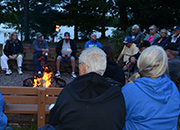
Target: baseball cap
x,y
38,34
66,35
153,27
171,46
143,43
176,28
128,39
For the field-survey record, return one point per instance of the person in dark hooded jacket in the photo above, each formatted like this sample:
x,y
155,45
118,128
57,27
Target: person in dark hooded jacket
x,y
152,100
89,102
113,72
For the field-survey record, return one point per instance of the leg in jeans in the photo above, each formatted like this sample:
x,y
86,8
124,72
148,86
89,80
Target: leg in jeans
x,y
19,60
36,63
4,62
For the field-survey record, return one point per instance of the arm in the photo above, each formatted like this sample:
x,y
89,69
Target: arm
x,y
59,48
35,44
119,58
73,47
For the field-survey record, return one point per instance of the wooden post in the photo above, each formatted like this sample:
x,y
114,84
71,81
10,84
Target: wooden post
x,y
41,107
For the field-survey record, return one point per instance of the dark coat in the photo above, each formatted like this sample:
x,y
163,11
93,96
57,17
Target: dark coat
x,y
114,72
162,43
59,47
8,49
89,103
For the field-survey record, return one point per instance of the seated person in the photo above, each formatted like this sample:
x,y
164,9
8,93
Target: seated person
x,y
153,34
41,50
132,64
137,35
152,99
93,42
163,39
173,61
3,117
113,71
129,49
66,51
89,102
13,50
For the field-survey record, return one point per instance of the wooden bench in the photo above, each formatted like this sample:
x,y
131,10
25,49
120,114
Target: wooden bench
x,y
28,58
27,100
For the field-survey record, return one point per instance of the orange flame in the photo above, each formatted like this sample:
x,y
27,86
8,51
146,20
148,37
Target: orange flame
x,y
46,78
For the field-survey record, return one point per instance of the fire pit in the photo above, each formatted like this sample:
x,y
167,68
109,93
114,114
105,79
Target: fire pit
x,y
45,81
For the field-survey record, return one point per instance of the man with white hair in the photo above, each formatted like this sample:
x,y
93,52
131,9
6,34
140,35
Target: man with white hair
x,y
89,102
137,35
93,42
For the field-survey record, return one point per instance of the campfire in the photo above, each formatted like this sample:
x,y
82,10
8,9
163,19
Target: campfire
x,y
47,80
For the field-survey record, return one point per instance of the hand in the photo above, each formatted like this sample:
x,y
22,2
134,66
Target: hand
x,y
69,56
125,67
12,57
133,60
43,52
63,56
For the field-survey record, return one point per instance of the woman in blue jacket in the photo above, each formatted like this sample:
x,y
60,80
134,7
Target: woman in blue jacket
x,y
152,100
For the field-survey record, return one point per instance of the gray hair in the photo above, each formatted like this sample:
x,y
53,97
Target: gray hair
x,y
135,26
153,27
94,59
152,63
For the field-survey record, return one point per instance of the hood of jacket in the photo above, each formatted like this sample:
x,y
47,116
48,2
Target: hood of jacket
x,y
160,88
93,88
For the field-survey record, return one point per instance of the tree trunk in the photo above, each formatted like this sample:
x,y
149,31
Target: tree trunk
x,y
103,30
123,14
26,19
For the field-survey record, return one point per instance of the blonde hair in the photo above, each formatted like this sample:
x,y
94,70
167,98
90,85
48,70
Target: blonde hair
x,y
11,36
152,63
94,60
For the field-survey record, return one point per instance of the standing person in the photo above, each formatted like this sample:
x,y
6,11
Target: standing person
x,y
163,39
153,34
93,42
152,99
173,61
137,35
66,50
41,50
89,102
129,49
13,50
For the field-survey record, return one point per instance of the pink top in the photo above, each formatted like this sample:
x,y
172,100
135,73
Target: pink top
x,y
150,39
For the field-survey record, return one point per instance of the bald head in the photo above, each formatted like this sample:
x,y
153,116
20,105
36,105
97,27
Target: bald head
x,y
93,37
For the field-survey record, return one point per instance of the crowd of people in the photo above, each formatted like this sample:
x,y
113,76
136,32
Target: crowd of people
x,y
102,97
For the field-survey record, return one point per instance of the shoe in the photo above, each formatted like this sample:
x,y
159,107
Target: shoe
x,y
58,75
8,72
73,75
19,70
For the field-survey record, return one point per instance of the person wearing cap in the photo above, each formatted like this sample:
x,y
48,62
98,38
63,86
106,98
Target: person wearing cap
x,y
12,51
172,51
133,59
93,42
163,39
129,49
175,38
41,50
137,35
153,34
66,50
